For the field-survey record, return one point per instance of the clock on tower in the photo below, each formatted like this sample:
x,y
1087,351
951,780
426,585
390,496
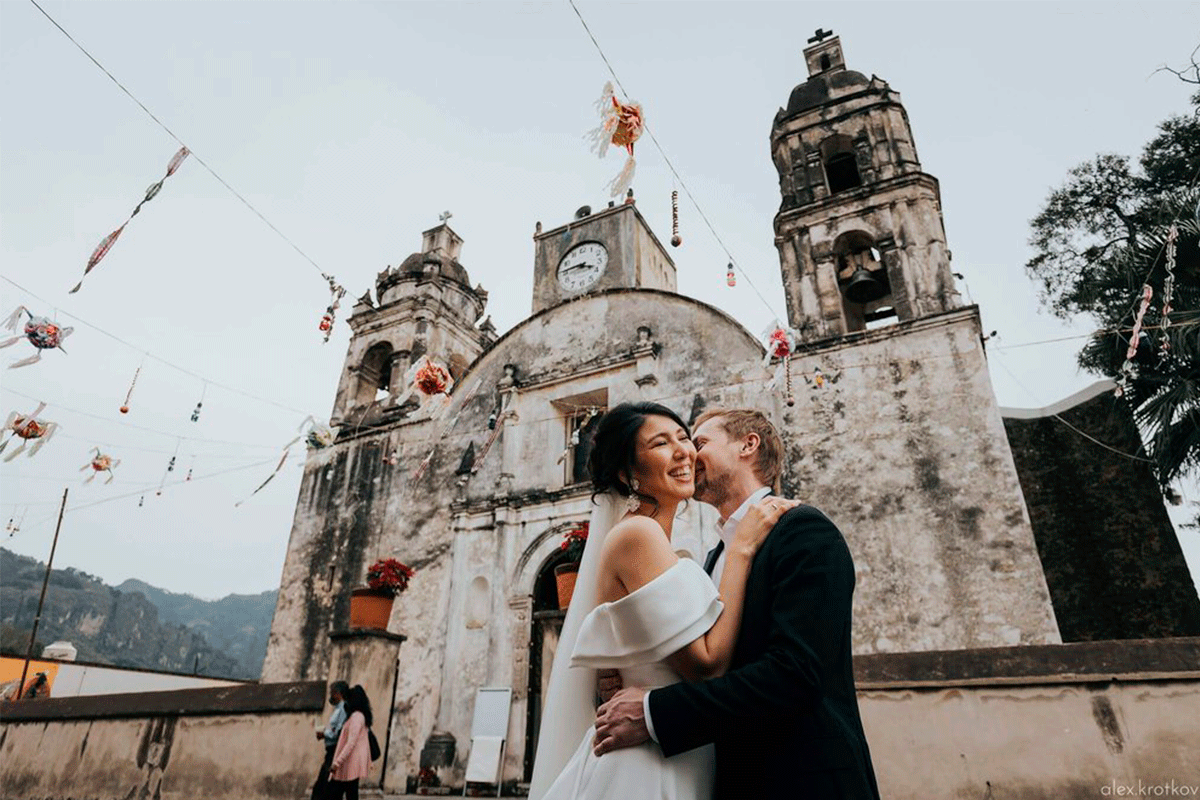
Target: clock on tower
x,y
610,249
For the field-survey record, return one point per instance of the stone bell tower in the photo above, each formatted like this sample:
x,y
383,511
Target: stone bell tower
x,y
425,305
859,231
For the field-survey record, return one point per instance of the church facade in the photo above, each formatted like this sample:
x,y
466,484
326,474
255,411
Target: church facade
x,y
900,440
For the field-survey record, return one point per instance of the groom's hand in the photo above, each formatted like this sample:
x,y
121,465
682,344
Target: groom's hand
x,y
621,722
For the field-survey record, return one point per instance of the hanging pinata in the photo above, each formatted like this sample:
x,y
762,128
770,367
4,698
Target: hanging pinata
x,y
100,463
621,125
41,332
430,381
28,428
151,192
780,343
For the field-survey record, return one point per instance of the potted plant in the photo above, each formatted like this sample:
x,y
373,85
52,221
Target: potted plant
x,y
566,573
372,607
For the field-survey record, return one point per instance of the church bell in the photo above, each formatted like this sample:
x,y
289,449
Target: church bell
x,y
864,287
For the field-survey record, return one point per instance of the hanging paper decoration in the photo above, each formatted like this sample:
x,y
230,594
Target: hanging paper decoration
x,y
199,403
781,343
621,125
1128,371
190,467
573,442
315,434
41,332
676,239
28,428
442,433
730,275
170,468
14,524
100,463
495,434
1168,292
431,382
817,379
151,192
336,293
141,501
129,394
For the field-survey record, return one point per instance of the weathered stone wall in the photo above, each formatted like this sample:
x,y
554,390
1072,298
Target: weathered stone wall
x,y
243,743
1028,723
1112,560
903,447
1034,723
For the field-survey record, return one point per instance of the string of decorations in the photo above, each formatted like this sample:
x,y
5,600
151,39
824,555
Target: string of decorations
x,y
179,156
149,355
107,242
1128,370
674,172
1168,291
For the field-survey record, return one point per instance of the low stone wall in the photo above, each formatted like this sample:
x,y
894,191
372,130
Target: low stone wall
x,y
1068,722
1086,720
250,742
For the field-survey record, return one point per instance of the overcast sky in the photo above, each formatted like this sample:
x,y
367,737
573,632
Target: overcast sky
x,y
351,126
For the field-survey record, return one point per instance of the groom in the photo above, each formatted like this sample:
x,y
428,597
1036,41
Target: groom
x,y
784,718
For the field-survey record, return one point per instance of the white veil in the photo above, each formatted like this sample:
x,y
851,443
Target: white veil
x,y
569,711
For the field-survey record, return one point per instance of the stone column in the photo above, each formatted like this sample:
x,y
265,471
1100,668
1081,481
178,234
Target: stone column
x,y
370,658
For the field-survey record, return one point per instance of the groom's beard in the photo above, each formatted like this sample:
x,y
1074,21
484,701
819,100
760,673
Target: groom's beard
x,y
712,489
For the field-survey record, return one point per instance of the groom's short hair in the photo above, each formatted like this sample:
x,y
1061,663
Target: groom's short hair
x,y
738,423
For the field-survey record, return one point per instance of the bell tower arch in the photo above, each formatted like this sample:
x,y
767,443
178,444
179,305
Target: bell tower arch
x,y
859,230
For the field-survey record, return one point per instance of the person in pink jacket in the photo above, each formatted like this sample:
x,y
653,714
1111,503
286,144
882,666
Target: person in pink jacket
x,y
352,758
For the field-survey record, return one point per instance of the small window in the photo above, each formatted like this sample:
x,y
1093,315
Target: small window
x,y
375,374
825,61
842,173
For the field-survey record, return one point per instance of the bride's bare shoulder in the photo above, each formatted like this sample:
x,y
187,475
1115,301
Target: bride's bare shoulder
x,y
637,542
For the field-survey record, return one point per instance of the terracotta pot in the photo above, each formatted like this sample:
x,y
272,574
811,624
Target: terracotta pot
x,y
565,575
371,608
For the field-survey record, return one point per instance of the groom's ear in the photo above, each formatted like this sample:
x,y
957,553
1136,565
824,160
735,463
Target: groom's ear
x,y
751,444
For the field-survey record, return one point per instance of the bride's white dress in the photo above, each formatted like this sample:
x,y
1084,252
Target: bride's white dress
x,y
634,635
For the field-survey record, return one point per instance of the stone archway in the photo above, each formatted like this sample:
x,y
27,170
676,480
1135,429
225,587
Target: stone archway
x,y
545,628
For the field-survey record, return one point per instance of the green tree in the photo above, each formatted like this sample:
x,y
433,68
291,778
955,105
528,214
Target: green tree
x,y
1100,237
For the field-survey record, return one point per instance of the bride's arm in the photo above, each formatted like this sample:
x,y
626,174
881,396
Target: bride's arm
x,y
710,655
638,552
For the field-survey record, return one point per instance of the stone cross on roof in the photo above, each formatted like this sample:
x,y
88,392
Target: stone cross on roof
x,y
820,35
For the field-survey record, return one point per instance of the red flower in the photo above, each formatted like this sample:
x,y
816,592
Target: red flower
x,y
574,541
390,575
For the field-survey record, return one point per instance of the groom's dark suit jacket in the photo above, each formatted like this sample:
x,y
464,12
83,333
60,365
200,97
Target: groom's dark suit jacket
x,y
784,718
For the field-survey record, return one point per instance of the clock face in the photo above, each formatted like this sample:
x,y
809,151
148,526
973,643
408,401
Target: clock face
x,y
582,266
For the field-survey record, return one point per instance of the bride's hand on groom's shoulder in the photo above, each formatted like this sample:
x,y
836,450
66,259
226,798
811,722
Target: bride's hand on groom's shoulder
x,y
621,722
753,529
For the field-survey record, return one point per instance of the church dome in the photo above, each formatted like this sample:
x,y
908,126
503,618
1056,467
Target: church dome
x,y
824,87
448,267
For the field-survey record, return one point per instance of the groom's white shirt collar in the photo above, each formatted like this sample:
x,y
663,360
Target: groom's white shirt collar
x,y
727,527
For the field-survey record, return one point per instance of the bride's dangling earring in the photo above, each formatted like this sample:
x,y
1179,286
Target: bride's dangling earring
x,y
633,502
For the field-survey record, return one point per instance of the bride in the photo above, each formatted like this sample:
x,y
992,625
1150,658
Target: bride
x,y
642,610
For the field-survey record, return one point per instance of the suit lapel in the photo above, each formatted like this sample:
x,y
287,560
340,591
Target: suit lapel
x,y
711,561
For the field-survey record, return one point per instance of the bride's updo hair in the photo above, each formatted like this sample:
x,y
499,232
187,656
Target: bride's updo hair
x,y
614,446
